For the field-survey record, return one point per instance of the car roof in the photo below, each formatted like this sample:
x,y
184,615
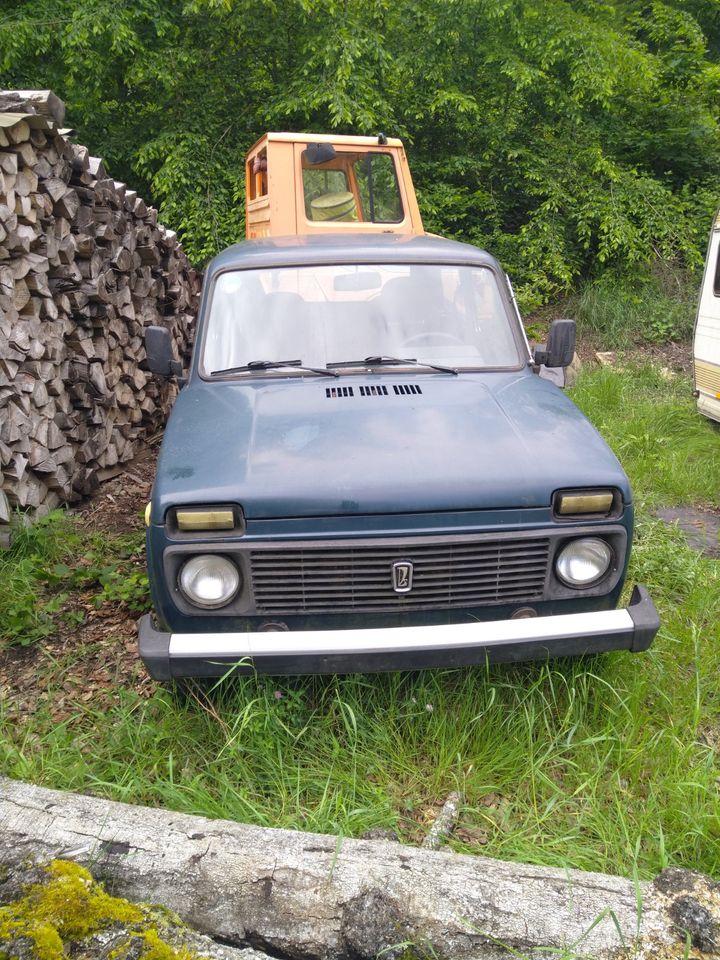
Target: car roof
x,y
347,248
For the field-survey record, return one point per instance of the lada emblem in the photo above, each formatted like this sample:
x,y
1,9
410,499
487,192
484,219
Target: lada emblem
x,y
402,576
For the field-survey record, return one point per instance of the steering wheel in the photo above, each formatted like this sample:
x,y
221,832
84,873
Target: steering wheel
x,y
433,338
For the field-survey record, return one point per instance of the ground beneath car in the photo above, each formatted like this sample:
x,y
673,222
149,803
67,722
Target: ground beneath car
x,y
94,653
701,527
119,504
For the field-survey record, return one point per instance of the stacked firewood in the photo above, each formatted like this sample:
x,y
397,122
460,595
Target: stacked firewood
x,y
84,268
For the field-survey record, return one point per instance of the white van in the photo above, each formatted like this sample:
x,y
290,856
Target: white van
x,y
706,342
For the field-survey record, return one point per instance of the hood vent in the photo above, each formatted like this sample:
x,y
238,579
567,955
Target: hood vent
x,y
332,392
374,390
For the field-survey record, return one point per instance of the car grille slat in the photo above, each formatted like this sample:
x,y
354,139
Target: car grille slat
x,y
325,578
319,593
273,562
471,575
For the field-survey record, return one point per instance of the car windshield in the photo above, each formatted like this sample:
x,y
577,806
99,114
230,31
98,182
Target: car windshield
x,y
434,313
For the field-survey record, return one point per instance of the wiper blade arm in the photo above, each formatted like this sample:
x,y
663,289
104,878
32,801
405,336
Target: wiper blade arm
x,y
392,362
274,365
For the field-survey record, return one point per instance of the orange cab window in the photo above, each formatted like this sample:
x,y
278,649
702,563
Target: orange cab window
x,y
353,186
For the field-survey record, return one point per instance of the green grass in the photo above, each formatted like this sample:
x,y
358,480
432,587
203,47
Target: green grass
x,y
55,557
27,615
670,453
606,763
655,305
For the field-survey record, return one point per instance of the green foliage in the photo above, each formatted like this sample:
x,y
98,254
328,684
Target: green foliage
x,y
200,186
37,583
657,306
116,568
567,137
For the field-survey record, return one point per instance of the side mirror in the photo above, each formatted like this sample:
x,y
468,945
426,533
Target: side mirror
x,y
560,347
160,357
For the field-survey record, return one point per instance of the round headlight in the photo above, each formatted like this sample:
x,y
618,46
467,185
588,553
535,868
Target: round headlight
x,y
209,580
582,562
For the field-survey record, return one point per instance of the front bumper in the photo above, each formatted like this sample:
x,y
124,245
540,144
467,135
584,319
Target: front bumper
x,y
168,655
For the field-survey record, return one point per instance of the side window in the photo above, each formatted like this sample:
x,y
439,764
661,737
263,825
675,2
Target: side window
x,y
378,188
256,174
327,195
716,281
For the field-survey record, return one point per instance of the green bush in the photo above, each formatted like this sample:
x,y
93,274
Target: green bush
x,y
656,305
562,136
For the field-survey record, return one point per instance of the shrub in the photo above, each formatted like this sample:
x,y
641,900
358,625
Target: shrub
x,y
656,305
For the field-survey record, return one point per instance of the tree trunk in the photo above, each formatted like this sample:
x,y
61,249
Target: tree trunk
x,y
313,896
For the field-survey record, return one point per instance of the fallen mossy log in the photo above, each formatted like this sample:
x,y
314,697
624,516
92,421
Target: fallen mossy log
x,y
58,910
307,896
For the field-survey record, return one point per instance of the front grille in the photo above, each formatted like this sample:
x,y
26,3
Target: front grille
x,y
331,578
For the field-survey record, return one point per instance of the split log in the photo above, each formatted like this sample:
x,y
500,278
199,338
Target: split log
x,y
55,187
308,896
22,146
67,205
19,133
8,163
44,102
37,136
26,182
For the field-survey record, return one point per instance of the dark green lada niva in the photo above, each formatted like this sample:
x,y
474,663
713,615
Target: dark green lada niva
x,y
365,472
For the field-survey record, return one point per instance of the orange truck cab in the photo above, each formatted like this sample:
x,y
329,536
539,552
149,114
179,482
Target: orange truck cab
x,y
310,183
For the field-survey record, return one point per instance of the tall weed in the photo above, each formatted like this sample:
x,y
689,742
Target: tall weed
x,y
656,306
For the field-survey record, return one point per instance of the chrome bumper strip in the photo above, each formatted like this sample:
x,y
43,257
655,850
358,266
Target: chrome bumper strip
x,y
399,639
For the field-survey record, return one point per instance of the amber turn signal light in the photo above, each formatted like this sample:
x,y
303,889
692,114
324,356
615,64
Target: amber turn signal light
x,y
575,503
205,519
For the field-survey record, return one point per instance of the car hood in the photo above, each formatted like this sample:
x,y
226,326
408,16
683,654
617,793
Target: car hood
x,y
388,443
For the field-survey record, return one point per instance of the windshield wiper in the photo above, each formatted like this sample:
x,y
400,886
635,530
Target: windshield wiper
x,y
391,362
274,365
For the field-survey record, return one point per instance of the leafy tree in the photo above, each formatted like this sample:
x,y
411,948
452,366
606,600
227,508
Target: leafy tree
x,y
567,137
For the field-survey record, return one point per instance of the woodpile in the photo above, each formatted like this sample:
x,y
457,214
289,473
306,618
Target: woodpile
x,y
84,268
